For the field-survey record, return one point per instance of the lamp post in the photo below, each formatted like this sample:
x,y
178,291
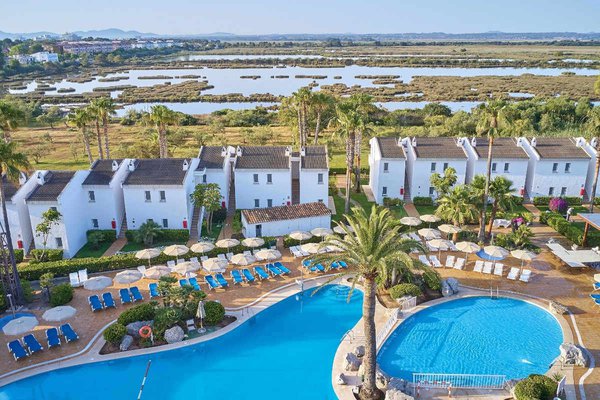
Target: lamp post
x,y
12,306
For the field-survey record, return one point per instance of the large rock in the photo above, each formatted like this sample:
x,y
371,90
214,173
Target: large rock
x,y
396,383
453,283
571,354
133,328
359,351
395,394
351,362
126,342
449,287
174,335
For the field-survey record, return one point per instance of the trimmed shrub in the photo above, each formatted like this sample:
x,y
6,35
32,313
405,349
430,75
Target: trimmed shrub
x,y
518,200
61,294
27,291
141,312
536,387
215,312
573,200
392,202
422,201
3,302
558,204
164,235
115,333
48,255
404,289
109,235
541,200
432,279
289,242
166,318
19,254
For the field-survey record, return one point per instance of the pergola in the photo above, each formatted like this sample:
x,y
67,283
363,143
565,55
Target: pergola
x,y
590,219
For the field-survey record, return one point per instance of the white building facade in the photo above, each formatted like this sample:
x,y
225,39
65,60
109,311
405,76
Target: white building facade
x,y
387,168
281,220
215,164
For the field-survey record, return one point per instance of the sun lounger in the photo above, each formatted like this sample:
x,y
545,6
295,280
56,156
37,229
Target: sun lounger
x,y
171,264
16,349
74,279
195,284
190,325
261,273
478,266
306,263
596,285
135,292
125,296
83,276
334,265
222,257
248,277
284,270
52,337
141,269
69,333
435,261
221,280
180,261
236,277
450,261
247,253
32,344
487,267
453,246
597,302
595,296
229,256
342,264
194,261
153,289
210,281
499,269
108,300
513,274
95,303
460,263
320,267
183,282
203,258
525,275
274,271
414,236
424,260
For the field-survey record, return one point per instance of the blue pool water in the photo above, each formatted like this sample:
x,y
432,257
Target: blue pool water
x,y
486,256
475,335
7,318
285,352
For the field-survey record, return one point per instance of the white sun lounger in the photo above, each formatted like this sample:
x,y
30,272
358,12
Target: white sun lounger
x,y
424,260
478,266
487,267
525,275
141,269
499,269
222,257
453,246
247,253
414,236
171,264
435,261
229,256
83,276
513,274
460,263
203,258
450,261
180,261
194,261
74,279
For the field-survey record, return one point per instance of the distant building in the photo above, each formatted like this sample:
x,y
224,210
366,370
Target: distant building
x,y
281,220
40,57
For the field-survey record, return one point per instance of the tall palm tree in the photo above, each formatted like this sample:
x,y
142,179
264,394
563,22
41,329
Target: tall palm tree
x,y
106,108
593,123
457,206
93,109
374,249
12,163
11,117
320,104
346,122
363,104
80,118
501,191
161,117
477,187
300,100
490,114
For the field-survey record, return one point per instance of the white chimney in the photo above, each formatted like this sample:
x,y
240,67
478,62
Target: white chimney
x,y
131,165
115,165
533,142
239,151
22,178
594,142
414,142
223,151
288,151
474,142
303,151
40,177
186,165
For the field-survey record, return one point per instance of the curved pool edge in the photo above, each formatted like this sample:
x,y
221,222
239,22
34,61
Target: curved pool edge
x,y
91,353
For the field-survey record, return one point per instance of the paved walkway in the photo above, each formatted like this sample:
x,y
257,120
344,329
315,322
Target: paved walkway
x,y
227,229
532,209
115,247
368,192
411,210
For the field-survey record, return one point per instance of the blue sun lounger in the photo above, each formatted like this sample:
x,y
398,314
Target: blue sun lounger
x,y
274,271
210,281
153,288
320,268
135,292
16,349
595,296
95,302
183,282
334,265
261,273
194,283
108,300
32,344
125,296
282,268
596,285
306,263
236,276
52,337
248,277
221,280
68,332
342,264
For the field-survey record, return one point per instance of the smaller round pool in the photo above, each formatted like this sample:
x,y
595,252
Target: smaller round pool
x,y
474,335
7,318
482,254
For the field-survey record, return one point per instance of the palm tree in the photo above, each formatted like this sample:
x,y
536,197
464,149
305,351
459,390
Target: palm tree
x,y
93,109
477,187
374,249
161,117
12,163
320,103
80,119
106,108
347,121
593,123
490,114
457,206
501,191
363,104
11,117
300,100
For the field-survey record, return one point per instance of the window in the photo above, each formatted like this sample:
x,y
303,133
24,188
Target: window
x,y
568,167
432,167
506,166
320,178
386,167
53,208
255,178
269,178
431,190
256,203
203,178
94,223
163,196
555,167
149,220
493,167
563,191
320,200
445,166
148,196
551,191
384,191
59,244
269,202
165,223
91,196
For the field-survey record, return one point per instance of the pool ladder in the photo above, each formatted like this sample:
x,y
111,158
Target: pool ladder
x,y
494,295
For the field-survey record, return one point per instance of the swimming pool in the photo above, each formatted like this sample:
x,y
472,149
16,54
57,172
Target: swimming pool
x,y
482,254
474,335
285,352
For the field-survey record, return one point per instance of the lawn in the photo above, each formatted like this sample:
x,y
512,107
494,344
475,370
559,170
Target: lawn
x,y
132,246
87,250
339,207
360,198
576,209
426,209
214,233
398,211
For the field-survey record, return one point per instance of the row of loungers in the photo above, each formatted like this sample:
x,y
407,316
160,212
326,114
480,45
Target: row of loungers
x,y
488,267
451,262
29,345
127,296
320,268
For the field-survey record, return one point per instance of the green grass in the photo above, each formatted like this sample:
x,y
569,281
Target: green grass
x,y
576,209
426,209
132,246
360,198
214,234
339,207
398,211
87,250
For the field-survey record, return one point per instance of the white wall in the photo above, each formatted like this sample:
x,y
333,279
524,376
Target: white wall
x,y
18,215
589,180
517,171
310,188
280,191
573,181
280,228
421,173
174,208
393,180
116,185
218,176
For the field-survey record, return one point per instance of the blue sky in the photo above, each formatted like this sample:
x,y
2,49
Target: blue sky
x,y
307,16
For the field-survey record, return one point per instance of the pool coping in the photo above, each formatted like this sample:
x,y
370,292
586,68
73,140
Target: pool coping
x,y
91,352
344,392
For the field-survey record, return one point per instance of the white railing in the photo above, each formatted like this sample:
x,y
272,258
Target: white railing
x,y
408,303
459,381
389,325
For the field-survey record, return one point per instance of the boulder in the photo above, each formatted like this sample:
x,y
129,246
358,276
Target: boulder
x,y
446,289
359,351
395,394
382,378
571,354
351,362
126,343
133,328
174,334
453,283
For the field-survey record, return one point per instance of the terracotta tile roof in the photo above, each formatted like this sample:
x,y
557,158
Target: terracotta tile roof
x,y
305,210
262,157
55,183
503,148
315,157
157,171
390,148
438,147
101,172
210,158
559,147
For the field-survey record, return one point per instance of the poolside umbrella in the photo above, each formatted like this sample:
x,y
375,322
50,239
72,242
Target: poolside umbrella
x,y
202,247
300,235
20,325
227,243
341,231
185,268
428,233
176,250
147,254
449,229
97,283
128,276
59,313
157,272
468,247
523,255
311,248
214,265
268,254
430,218
253,242
321,232
243,259
440,244
410,221
495,252
201,314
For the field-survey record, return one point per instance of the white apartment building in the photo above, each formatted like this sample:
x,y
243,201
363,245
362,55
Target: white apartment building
x,y
387,168
215,164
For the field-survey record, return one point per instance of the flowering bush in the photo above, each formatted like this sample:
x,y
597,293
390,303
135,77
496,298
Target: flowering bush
x,y
558,204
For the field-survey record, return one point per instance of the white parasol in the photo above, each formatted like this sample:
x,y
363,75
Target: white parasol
x,y
20,325
268,254
227,243
59,313
243,259
202,247
147,254
253,242
157,272
176,250
97,283
128,276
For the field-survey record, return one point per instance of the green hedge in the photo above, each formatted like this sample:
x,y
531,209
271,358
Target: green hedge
x,y
115,333
49,255
61,294
404,289
164,235
110,235
567,229
215,312
289,242
538,387
19,254
141,312
545,200
422,201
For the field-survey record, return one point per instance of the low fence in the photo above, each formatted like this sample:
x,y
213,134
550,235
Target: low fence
x,y
459,381
408,303
385,330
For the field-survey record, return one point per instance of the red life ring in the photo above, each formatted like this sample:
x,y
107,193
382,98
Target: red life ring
x,y
145,331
